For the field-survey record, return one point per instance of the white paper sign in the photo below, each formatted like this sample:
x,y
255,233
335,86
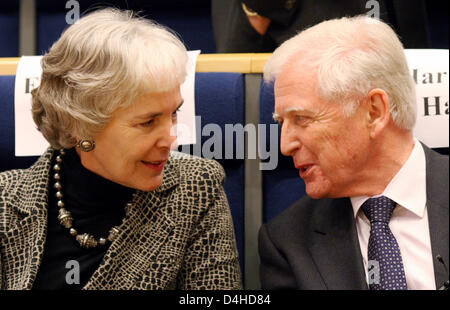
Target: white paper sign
x,y
30,142
429,69
186,116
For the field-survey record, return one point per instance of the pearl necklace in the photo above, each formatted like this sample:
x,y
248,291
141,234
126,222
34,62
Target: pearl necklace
x,y
65,217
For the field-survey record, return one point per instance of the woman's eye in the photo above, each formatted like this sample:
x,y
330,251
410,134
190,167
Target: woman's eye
x,y
175,113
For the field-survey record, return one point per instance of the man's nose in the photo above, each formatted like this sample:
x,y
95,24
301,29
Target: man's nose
x,y
289,141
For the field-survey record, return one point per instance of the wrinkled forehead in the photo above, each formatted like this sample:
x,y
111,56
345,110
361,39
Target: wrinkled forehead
x,y
295,86
295,81
296,71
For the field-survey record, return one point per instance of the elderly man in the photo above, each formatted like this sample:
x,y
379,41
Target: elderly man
x,y
376,215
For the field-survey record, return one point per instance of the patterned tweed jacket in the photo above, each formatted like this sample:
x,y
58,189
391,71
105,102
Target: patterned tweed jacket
x,y
179,236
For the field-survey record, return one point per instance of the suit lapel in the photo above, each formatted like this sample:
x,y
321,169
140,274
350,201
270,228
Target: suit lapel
x,y
438,223
335,248
438,215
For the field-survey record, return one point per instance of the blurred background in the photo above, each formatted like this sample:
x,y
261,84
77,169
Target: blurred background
x,y
191,19
29,27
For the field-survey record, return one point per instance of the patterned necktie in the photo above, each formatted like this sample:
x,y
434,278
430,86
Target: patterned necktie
x,y
383,250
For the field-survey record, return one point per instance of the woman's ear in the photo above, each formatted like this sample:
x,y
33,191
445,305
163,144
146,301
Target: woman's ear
x,y
378,111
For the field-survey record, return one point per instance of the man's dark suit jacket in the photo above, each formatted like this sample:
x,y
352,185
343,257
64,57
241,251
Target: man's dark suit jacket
x,y
234,34
314,243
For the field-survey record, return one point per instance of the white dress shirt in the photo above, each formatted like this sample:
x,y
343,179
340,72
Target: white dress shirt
x,y
409,222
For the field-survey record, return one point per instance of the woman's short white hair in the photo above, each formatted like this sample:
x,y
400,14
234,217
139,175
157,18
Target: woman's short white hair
x,y
104,61
352,56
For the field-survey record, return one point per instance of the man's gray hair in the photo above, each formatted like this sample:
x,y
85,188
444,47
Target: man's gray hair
x,y
104,61
350,57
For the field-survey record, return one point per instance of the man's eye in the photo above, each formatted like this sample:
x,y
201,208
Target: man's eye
x,y
302,119
147,124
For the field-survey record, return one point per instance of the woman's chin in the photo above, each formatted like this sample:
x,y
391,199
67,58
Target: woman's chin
x,y
154,184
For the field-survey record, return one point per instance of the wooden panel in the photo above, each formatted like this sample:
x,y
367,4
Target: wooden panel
x,y
8,66
242,63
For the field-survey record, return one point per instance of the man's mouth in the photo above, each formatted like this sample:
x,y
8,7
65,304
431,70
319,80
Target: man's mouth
x,y
304,169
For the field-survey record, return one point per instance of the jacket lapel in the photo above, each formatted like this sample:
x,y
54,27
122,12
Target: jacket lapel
x,y
335,248
143,232
23,243
438,215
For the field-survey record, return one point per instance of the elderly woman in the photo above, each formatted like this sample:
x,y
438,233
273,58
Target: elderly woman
x,y
108,205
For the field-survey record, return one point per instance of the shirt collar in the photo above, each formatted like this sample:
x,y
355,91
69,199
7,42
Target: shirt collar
x,y
408,187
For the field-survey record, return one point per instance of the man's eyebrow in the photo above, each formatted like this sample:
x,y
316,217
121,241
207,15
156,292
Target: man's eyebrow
x,y
294,109
277,117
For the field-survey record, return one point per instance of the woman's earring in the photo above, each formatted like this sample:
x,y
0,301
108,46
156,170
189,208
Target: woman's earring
x,y
86,145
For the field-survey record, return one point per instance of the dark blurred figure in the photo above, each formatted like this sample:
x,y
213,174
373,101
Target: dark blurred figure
x,y
262,25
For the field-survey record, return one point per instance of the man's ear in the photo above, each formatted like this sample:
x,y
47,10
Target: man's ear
x,y
379,113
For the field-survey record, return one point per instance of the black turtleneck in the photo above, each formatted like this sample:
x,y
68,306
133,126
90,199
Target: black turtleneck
x,y
96,204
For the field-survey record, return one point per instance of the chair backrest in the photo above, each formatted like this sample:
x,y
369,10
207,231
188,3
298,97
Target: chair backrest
x,y
7,144
220,100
